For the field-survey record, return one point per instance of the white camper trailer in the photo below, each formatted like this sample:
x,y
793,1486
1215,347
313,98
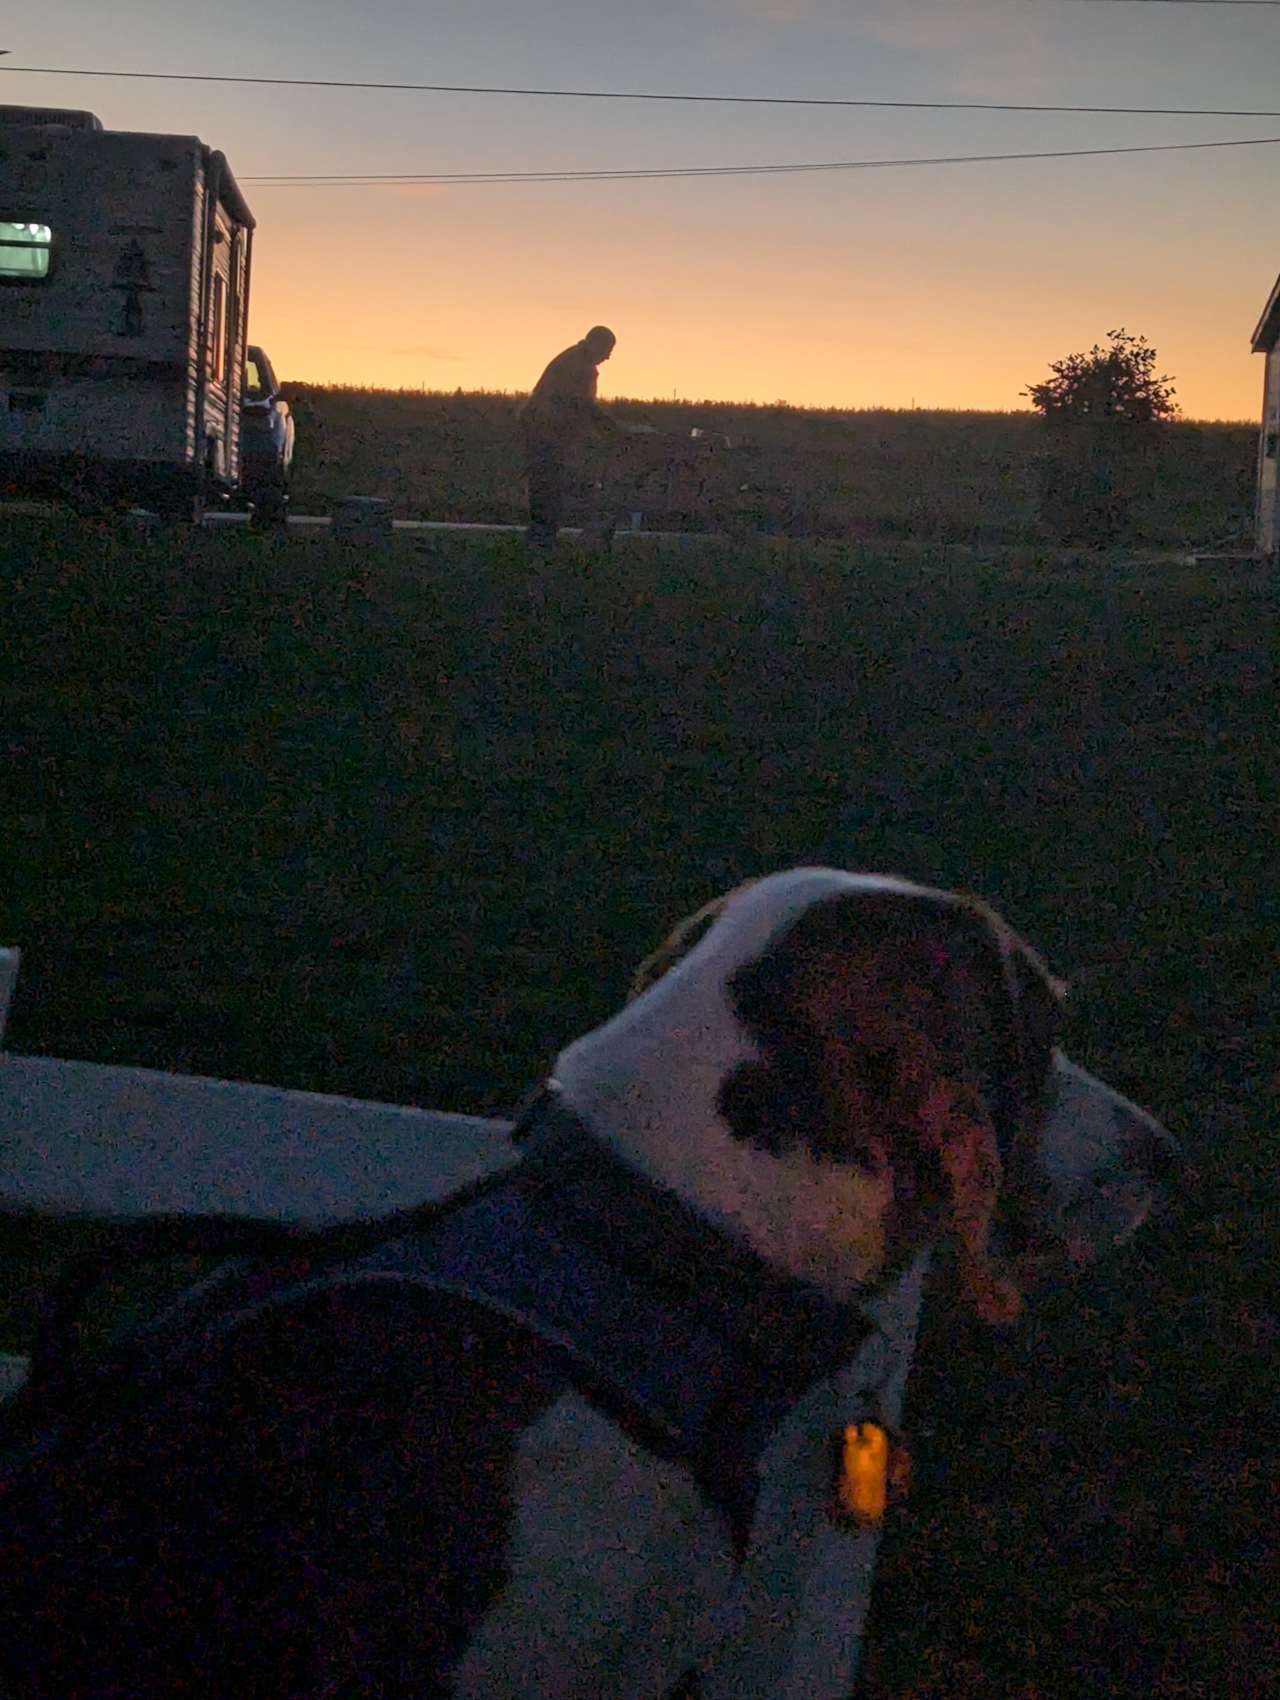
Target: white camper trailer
x,y
124,295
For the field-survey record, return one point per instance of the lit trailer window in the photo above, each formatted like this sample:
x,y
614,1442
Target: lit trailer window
x,y
25,250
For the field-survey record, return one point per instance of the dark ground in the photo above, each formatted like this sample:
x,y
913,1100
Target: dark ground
x,y
399,827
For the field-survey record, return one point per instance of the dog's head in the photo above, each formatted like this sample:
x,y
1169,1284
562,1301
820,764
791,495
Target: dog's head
x,y
907,1035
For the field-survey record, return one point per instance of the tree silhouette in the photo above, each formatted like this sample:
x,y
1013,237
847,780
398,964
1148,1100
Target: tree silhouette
x,y
1118,383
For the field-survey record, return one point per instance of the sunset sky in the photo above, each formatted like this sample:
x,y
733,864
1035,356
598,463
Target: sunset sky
x,y
937,286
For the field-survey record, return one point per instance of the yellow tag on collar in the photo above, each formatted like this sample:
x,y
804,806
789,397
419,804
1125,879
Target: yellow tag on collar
x,y
870,1472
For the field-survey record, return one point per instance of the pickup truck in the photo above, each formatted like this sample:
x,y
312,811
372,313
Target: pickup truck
x,y
266,442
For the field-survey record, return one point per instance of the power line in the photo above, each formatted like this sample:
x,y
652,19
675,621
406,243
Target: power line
x,y
627,94
373,180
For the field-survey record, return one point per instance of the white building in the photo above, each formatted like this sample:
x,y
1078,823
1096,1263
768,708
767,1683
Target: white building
x,y
1266,340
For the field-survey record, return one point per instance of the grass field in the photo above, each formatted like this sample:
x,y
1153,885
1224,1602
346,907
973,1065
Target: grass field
x,y
398,826
851,476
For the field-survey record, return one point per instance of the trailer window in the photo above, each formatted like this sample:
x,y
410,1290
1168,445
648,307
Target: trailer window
x,y
218,331
24,251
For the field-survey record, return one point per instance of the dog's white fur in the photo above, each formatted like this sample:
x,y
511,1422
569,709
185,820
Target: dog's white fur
x,y
647,1081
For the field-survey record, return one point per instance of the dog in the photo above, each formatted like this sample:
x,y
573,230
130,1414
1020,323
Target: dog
x,y
614,1470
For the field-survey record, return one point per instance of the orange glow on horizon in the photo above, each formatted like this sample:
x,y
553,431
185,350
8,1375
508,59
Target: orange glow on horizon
x,y
463,299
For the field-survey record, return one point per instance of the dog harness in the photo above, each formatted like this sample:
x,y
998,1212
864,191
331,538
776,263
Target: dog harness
x,y
683,1336
686,1338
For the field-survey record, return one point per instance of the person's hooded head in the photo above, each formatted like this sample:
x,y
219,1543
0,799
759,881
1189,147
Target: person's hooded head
x,y
599,342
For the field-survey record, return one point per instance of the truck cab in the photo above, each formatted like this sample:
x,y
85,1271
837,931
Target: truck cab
x,y
266,441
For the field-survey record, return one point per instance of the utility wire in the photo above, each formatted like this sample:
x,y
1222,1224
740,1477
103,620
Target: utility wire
x,y
627,94
1176,2
373,180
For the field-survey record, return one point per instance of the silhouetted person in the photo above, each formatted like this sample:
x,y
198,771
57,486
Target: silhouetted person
x,y
559,412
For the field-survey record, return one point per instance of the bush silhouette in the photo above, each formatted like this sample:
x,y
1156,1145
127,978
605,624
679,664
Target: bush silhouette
x,y
1102,409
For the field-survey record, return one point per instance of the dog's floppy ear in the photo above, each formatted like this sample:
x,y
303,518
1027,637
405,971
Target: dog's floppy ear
x,y
986,1143
679,942
1037,998
958,1128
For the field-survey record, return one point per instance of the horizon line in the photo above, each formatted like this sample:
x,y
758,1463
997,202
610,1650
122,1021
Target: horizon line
x,y
455,391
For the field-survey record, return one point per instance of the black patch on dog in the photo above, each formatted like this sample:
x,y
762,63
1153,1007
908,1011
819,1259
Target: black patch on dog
x,y
781,1102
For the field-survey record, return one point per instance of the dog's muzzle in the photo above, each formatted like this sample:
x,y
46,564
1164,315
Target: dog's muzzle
x,y
1102,1166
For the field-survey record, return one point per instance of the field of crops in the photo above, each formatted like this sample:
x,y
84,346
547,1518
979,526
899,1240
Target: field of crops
x,y
398,825
942,477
